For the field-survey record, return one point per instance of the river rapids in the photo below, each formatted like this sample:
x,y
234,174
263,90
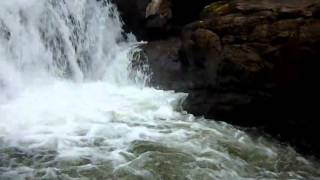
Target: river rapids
x,y
72,107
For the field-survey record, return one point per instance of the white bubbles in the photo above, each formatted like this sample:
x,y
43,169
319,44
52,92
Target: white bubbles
x,y
69,108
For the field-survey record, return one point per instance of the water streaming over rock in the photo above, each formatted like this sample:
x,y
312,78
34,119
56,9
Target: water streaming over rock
x,y
72,107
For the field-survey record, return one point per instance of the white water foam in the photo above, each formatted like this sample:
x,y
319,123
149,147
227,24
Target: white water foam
x,y
67,90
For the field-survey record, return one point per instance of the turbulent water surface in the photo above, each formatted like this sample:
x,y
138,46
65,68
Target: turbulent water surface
x,y
72,107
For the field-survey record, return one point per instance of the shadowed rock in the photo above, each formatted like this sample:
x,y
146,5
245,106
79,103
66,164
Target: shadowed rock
x,y
251,63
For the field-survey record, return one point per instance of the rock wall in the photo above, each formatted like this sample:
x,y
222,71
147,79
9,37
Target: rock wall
x,y
248,62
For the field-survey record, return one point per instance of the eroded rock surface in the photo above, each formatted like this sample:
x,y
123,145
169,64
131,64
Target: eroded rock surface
x,y
252,63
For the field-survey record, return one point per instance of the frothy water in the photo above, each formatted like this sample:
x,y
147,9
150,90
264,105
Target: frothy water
x,y
72,107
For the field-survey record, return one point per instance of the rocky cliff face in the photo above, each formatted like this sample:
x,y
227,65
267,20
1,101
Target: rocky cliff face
x,y
248,62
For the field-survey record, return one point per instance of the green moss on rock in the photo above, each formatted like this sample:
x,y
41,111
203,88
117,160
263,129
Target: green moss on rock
x,y
216,9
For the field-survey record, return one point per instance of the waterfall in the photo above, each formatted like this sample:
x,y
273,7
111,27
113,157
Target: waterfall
x,y
76,39
72,106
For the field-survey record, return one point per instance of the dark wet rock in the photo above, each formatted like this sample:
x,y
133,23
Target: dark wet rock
x,y
185,12
133,14
309,32
158,13
251,63
147,19
216,9
165,64
283,9
158,19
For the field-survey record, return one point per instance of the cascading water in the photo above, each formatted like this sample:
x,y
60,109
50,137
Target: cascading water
x,y
72,108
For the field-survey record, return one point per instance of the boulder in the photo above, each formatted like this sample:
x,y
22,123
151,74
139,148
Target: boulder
x,y
147,19
158,13
133,14
248,62
158,19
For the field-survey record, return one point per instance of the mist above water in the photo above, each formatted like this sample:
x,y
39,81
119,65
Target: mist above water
x,y
72,106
